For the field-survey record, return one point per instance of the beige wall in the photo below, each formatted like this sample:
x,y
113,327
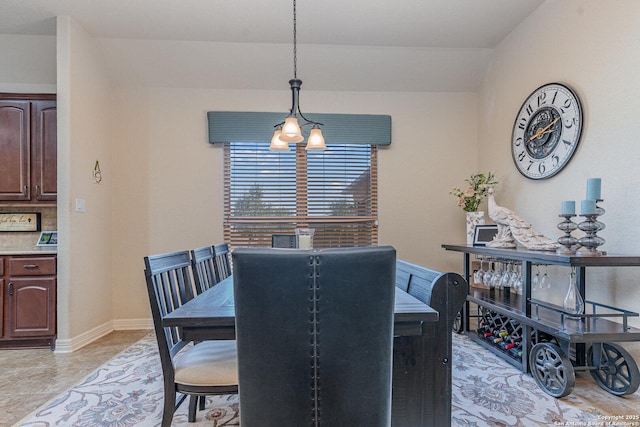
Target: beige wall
x,y
168,178
162,180
84,136
590,45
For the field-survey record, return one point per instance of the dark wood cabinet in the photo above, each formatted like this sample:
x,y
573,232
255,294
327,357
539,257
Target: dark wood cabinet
x,y
28,148
28,309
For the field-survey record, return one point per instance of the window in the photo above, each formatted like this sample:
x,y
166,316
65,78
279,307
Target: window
x,y
333,191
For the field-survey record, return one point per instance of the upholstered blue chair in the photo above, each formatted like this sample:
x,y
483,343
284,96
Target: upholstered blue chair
x,y
314,331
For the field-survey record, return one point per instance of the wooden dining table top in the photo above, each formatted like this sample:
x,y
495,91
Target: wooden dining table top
x,y
215,308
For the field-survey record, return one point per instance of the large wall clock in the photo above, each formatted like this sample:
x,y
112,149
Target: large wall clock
x,y
546,131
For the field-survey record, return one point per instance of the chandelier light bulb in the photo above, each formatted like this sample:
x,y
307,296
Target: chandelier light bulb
x,y
276,143
316,140
291,131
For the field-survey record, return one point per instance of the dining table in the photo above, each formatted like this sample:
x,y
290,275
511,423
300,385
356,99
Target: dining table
x,y
416,401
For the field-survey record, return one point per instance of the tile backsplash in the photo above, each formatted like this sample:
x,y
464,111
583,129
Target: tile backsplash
x,y
18,239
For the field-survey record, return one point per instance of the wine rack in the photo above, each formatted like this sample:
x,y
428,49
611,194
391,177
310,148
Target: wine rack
x,y
547,340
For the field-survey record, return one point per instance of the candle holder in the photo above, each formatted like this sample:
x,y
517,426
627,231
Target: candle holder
x,y
568,242
599,210
591,226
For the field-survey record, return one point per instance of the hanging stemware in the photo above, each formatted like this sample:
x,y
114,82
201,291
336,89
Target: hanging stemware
x,y
477,275
544,280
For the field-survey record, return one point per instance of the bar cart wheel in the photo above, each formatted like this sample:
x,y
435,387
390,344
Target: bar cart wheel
x,y
618,372
552,369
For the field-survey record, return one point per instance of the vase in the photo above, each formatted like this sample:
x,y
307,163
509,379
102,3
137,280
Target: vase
x,y
473,219
573,302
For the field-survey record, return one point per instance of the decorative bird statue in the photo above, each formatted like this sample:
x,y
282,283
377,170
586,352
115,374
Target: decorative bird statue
x,y
512,229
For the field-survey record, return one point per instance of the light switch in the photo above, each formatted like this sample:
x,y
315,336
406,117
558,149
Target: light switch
x,y
81,205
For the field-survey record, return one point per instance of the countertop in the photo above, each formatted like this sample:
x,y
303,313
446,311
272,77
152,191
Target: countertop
x,y
32,250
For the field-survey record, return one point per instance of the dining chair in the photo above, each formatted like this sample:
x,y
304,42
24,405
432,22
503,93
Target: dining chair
x,y
314,330
222,264
203,369
204,274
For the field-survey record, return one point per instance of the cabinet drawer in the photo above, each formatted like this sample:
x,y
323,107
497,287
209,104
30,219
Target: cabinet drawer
x,y
32,266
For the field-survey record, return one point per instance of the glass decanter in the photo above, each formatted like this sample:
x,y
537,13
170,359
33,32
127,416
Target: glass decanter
x,y
573,302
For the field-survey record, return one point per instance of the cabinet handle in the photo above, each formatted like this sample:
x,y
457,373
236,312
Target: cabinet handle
x,y
37,191
25,190
30,266
10,288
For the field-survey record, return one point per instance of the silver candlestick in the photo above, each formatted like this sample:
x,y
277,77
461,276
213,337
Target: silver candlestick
x,y
591,226
568,242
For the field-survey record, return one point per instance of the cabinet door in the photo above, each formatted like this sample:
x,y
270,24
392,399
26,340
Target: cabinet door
x,y
1,306
31,307
15,159
44,157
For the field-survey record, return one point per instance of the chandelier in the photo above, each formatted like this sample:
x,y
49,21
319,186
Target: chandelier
x,y
291,130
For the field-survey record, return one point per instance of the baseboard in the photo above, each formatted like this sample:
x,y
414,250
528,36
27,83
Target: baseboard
x,y
75,343
132,324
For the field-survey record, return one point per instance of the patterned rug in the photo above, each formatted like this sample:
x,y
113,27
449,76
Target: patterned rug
x,y
127,391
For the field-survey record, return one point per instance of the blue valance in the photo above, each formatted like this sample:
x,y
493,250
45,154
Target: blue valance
x,y
242,126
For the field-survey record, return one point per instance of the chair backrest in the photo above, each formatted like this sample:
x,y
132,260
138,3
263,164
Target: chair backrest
x,y
314,331
204,274
170,285
222,265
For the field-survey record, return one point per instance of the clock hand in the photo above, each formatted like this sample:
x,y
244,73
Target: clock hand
x,y
544,130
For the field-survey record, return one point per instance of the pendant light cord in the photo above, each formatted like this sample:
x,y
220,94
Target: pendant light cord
x,y
295,49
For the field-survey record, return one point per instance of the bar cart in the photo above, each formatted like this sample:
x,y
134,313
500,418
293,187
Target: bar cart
x,y
544,339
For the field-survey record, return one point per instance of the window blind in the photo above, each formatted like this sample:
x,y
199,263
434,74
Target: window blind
x,y
334,192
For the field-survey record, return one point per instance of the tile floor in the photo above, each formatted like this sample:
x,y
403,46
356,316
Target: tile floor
x,y
31,377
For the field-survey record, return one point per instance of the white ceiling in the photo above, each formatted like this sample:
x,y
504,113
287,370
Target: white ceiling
x,y
444,44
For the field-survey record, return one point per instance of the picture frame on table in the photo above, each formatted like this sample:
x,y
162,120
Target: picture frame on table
x,y
483,234
48,238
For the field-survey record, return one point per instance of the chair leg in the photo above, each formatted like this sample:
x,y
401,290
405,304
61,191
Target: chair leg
x,y
169,408
193,402
203,401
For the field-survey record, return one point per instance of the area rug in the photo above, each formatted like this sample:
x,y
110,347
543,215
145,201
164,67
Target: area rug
x,y
127,391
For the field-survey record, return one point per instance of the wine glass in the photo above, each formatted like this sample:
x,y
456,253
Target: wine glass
x,y
536,278
516,280
496,279
506,276
477,275
486,277
544,280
